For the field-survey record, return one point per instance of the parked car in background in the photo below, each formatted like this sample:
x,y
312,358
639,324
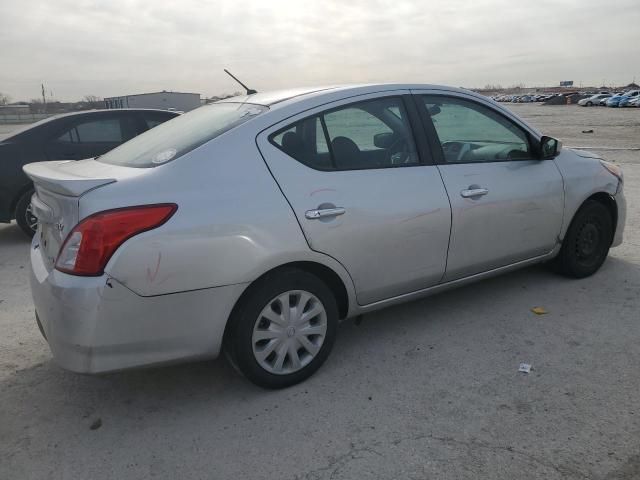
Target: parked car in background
x,y
254,224
627,97
634,102
71,136
614,101
593,100
603,102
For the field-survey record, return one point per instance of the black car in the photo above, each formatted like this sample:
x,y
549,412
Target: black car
x,y
71,136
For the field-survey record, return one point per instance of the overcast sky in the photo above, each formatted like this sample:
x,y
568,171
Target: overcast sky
x,y
119,47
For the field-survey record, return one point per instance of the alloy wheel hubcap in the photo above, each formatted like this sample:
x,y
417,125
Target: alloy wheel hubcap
x,y
289,332
588,240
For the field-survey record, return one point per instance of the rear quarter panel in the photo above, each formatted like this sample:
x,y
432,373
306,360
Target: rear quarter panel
x,y
232,224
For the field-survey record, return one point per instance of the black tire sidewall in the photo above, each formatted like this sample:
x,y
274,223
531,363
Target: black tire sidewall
x,y
21,210
568,261
238,341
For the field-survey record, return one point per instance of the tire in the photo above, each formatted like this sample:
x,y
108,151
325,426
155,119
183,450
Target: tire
x,y
24,217
587,242
276,352
589,104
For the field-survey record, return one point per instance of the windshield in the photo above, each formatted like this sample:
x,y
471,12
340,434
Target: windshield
x,y
176,137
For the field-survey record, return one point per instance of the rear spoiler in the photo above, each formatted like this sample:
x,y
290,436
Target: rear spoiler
x,y
54,177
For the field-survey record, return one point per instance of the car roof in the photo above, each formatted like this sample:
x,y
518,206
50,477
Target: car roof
x,y
283,104
107,110
285,97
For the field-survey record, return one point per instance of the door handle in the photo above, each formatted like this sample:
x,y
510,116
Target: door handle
x,y
324,213
474,192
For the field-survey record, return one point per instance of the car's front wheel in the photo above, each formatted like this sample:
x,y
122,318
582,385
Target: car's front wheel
x,y
589,104
283,329
586,244
24,214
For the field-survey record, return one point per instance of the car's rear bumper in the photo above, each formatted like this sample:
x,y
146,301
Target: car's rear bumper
x,y
96,324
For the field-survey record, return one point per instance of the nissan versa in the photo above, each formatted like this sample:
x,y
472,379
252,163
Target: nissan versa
x,y
254,224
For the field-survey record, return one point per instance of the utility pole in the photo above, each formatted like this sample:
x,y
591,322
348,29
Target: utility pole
x,y
44,100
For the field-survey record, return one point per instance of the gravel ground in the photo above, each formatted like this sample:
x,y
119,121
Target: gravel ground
x,y
426,390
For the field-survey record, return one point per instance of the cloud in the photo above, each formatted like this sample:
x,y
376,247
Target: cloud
x,y
129,46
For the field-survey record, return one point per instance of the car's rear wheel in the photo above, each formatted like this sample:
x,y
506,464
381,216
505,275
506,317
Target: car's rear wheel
x,y
283,329
586,244
24,214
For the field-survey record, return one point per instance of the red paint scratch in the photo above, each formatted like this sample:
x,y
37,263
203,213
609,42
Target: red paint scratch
x,y
415,217
322,190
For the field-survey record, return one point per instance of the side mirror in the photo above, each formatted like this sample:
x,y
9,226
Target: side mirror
x,y
383,140
549,147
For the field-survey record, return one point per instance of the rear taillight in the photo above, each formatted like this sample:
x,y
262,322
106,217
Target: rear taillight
x,y
90,245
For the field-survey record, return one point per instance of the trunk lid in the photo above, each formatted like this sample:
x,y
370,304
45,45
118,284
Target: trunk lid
x,y
59,186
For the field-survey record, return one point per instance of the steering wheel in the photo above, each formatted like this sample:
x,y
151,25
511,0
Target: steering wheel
x,y
455,151
398,152
466,147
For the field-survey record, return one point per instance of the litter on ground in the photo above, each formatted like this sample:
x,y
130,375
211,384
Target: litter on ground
x,y
539,310
524,368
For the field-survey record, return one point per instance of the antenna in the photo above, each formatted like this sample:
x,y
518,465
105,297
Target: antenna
x,y
249,90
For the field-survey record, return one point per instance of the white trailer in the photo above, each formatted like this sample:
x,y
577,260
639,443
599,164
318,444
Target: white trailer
x,y
164,100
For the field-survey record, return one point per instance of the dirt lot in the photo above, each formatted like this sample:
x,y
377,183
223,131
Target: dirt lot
x,y
426,390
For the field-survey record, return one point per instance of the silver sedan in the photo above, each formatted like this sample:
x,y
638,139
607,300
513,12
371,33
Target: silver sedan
x,y
594,100
255,224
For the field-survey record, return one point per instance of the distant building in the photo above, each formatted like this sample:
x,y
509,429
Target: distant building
x,y
162,100
14,109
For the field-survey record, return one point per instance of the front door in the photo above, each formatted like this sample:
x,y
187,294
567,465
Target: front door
x,y
362,194
507,205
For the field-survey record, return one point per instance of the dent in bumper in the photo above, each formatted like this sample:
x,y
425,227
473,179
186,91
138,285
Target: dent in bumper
x,y
95,324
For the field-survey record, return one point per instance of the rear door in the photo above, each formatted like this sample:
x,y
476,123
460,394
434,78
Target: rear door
x,y
364,193
90,135
507,205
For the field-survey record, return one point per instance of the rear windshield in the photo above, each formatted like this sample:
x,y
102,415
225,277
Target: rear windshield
x,y
180,135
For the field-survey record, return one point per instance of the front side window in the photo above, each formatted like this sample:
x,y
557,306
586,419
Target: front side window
x,y
364,135
469,132
170,140
153,119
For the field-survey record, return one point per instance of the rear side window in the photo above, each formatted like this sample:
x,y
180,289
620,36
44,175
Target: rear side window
x,y
363,135
171,140
106,130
